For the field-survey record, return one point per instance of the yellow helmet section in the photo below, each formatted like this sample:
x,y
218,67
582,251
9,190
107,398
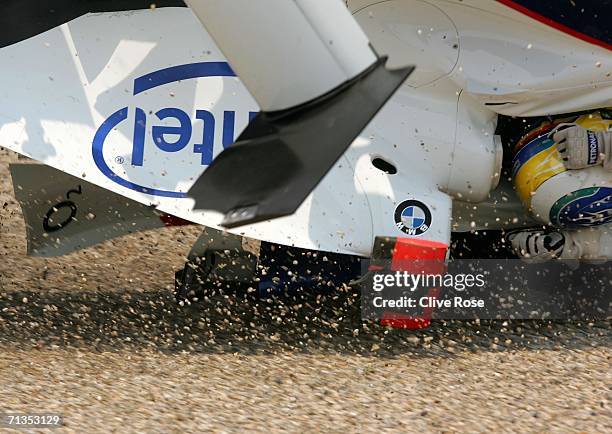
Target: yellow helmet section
x,y
539,160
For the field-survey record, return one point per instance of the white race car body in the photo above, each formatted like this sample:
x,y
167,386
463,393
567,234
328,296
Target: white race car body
x,y
140,102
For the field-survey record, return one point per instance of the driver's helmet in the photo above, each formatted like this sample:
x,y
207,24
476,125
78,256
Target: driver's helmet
x,y
554,194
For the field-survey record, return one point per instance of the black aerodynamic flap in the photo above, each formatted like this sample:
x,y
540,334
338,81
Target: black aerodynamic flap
x,y
282,156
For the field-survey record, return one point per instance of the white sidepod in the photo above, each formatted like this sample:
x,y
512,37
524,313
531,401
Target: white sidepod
x,y
441,146
519,66
512,63
441,141
476,159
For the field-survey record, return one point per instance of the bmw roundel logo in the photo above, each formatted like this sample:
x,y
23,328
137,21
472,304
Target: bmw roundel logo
x,y
412,217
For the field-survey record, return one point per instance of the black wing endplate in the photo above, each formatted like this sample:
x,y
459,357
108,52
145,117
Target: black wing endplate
x,y
282,156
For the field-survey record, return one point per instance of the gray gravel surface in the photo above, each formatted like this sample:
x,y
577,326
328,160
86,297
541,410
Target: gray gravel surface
x,y
96,335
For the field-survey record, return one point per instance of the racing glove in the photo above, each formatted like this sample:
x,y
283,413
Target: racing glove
x,y
536,246
582,148
593,245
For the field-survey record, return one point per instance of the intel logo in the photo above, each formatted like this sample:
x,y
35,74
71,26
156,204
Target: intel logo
x,y
134,145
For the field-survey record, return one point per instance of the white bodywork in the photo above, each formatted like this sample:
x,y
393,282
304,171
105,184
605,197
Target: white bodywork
x,y
501,54
61,89
332,48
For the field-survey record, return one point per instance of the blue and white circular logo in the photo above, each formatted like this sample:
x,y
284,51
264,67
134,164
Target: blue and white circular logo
x,y
412,217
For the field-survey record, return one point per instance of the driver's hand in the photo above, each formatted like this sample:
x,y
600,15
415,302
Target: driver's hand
x,y
581,148
536,245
